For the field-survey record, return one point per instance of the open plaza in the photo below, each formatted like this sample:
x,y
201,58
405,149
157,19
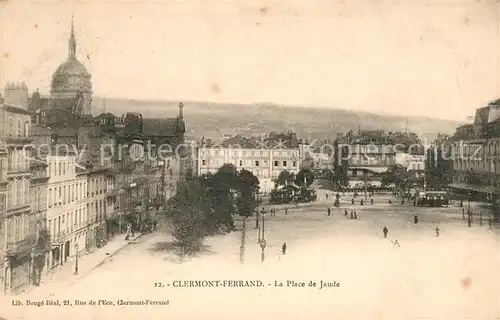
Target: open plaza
x,y
358,274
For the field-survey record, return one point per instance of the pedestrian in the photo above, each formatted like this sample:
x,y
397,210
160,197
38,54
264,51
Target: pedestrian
x,y
385,231
415,219
361,202
283,248
345,212
352,214
371,201
463,213
403,201
352,201
437,232
327,196
355,214
461,203
390,201
286,210
329,211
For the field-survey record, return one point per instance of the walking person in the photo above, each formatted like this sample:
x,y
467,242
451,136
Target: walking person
x,y
327,196
283,248
345,212
385,231
437,232
371,201
355,214
286,210
329,211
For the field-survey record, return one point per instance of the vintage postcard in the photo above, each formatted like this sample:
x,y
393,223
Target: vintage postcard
x,y
215,159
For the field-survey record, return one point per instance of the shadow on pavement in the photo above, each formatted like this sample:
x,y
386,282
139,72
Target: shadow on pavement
x,y
174,253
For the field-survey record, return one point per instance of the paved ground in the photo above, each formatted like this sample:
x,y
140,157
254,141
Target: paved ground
x,y
454,276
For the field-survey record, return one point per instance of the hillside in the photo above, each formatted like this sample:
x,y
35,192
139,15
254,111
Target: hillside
x,y
205,119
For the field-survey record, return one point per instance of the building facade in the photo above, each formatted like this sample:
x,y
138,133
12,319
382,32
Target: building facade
x,y
265,164
20,233
476,157
367,162
62,217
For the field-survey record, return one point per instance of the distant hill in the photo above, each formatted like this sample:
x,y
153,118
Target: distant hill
x,y
214,120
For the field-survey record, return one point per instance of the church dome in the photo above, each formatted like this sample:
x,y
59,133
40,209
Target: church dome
x,y
71,76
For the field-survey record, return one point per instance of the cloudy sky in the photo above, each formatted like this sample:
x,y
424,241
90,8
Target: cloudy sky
x,y
404,57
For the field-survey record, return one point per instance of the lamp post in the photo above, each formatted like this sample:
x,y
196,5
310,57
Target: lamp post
x,y
263,216
258,226
32,264
469,213
263,244
76,261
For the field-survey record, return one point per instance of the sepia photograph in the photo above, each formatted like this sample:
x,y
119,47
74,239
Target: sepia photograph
x,y
240,159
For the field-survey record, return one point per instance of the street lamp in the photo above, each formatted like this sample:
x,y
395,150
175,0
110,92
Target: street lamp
x,y
263,244
76,261
32,266
469,213
263,216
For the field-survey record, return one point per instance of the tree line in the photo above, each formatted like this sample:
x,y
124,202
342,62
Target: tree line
x,y
206,205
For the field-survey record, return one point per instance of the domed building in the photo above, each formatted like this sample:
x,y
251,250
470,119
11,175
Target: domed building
x,y
71,78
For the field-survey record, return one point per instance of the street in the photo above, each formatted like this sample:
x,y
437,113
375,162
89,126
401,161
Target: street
x,y
454,276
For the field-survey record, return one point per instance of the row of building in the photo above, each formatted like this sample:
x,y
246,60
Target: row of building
x,y
77,178
475,152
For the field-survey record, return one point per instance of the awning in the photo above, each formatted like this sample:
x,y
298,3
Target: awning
x,y
477,188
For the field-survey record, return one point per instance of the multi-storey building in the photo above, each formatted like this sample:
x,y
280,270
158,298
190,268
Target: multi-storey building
x,y
367,162
96,205
475,154
38,193
62,216
20,234
266,163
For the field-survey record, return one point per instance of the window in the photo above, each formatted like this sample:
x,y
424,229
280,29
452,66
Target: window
x,y
276,163
17,222
26,224
257,163
241,163
26,129
294,164
64,195
18,128
203,162
60,169
284,163
18,192
11,127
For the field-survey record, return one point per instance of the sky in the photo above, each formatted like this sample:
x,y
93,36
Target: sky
x,y
438,59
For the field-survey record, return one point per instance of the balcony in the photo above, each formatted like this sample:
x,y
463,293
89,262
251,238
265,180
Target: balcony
x,y
15,247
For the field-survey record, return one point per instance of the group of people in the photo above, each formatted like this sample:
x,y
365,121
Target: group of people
x,y
272,212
